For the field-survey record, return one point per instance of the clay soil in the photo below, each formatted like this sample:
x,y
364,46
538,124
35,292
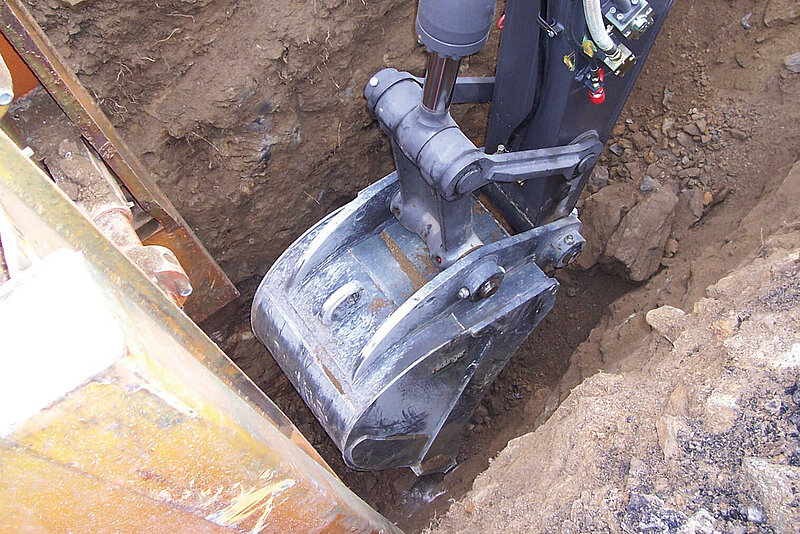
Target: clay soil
x,y
251,114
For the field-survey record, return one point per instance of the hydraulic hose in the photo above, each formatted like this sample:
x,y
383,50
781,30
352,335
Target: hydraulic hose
x,y
597,28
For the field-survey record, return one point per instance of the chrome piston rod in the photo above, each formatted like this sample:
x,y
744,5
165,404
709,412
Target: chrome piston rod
x,y
440,79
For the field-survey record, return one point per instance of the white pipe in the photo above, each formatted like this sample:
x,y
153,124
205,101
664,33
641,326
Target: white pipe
x,y
597,27
12,247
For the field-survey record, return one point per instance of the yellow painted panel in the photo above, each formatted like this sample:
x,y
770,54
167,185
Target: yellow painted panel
x,y
40,496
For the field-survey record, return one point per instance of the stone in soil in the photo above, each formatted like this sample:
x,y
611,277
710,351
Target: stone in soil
x,y
636,247
781,12
667,321
685,140
640,141
691,172
692,129
792,62
601,214
648,513
687,212
599,177
649,184
739,135
779,486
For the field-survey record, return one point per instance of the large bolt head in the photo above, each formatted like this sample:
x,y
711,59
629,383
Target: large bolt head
x,y
488,288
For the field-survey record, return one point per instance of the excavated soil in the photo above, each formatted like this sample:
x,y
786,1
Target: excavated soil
x,y
694,428
251,115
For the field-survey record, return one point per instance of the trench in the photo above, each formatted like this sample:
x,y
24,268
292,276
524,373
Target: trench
x,y
254,161
513,406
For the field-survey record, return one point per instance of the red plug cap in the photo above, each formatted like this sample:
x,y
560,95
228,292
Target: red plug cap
x,y
597,97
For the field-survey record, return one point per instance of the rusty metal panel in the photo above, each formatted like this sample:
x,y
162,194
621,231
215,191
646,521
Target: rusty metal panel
x,y
120,415
41,496
24,79
212,288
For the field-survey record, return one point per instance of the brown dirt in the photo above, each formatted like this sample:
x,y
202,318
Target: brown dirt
x,y
250,113
693,428
245,110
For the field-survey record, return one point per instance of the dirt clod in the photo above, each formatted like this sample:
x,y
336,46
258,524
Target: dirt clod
x,y
667,321
781,12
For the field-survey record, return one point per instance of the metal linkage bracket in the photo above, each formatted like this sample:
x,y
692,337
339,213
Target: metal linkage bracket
x,y
439,167
469,89
633,22
571,161
551,28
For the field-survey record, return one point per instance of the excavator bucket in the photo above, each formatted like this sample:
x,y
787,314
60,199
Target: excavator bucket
x,y
378,341
393,315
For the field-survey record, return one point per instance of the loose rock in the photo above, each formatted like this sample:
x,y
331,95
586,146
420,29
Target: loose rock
x,y
691,172
599,177
668,429
648,513
667,321
701,522
602,213
668,127
671,247
636,169
688,211
779,486
649,184
792,62
572,291
780,12
739,135
636,247
753,513
667,98
702,125
639,140
721,411
685,140
692,129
